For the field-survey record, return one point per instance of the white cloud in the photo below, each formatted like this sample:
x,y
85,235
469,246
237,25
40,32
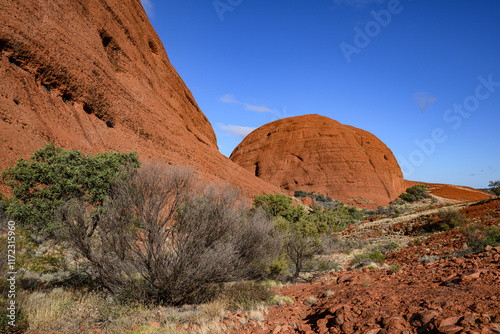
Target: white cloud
x,y
425,100
257,108
228,98
148,7
235,130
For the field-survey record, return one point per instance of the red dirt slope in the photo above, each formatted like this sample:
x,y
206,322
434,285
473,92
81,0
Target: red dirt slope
x,y
93,75
455,193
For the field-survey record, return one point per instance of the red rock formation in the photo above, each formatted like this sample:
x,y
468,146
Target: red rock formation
x,y
316,153
93,75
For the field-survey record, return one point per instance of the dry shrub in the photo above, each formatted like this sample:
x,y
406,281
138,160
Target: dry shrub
x,y
65,311
164,236
245,295
450,218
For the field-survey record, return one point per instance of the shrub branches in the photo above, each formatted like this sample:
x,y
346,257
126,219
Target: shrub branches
x,y
164,236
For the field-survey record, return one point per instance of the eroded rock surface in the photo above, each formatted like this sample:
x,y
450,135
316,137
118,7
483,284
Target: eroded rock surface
x,y
316,153
93,75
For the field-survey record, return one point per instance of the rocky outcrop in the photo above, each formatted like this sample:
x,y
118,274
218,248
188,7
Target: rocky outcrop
x,y
316,153
93,75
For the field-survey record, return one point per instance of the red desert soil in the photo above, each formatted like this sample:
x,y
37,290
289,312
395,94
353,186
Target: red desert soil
x,y
93,75
449,295
316,153
452,192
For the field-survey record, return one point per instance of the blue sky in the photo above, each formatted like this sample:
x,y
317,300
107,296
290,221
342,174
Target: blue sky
x,y
421,75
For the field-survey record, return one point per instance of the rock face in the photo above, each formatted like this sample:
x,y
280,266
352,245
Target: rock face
x,y
93,75
316,153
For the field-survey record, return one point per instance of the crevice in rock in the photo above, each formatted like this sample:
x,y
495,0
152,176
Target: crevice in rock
x,y
257,170
87,108
298,157
113,51
67,98
190,99
46,87
153,47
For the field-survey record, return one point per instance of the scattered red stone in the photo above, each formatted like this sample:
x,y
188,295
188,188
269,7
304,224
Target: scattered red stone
x,y
446,296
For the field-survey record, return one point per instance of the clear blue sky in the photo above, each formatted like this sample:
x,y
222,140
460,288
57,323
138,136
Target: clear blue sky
x,y
421,75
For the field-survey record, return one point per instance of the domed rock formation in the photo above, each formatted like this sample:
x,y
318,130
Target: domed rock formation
x,y
316,153
93,75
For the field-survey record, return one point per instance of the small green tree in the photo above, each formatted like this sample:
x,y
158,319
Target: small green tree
x,y
495,187
279,205
53,176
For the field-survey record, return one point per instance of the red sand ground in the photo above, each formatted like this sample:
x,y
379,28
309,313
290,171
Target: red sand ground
x,y
452,192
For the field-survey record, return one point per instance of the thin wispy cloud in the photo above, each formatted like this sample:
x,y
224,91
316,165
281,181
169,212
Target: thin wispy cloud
x,y
424,100
235,130
148,7
257,108
228,98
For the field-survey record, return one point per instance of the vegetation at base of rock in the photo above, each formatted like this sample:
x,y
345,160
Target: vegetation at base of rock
x,y
280,205
365,259
156,233
245,295
446,219
164,235
322,200
415,193
53,176
495,187
302,230
450,218
480,237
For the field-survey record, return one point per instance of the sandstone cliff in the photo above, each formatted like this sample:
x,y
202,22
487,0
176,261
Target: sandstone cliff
x,y
93,75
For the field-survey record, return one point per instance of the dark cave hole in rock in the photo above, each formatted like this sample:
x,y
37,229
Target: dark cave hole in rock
x,y
87,109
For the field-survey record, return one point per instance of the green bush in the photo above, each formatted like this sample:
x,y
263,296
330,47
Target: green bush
x,y
300,193
388,247
376,256
415,193
301,243
302,230
53,176
336,219
495,187
361,260
279,205
479,238
450,218
407,197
